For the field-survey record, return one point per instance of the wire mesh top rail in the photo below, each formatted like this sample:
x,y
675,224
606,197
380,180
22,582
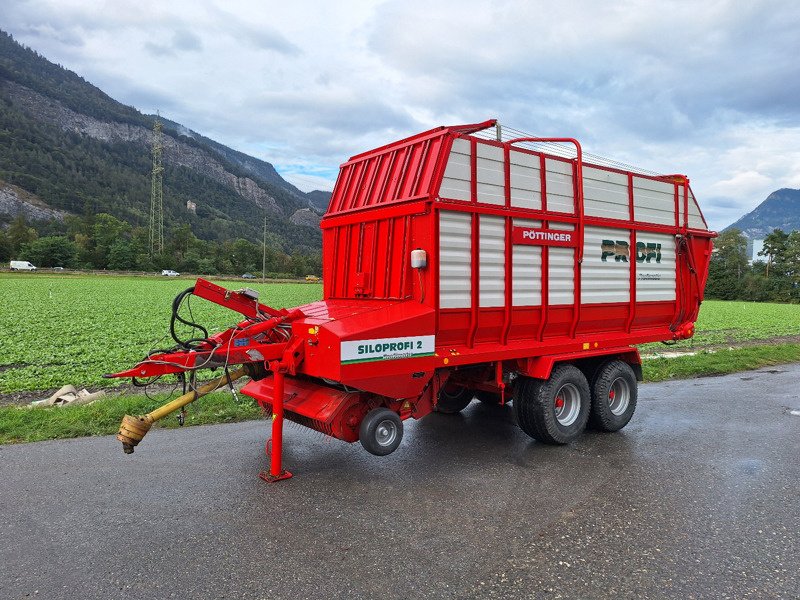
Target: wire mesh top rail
x,y
556,149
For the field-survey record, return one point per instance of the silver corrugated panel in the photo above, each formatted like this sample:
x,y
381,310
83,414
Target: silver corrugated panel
x,y
491,176
655,267
454,259
605,271
492,261
560,187
561,275
458,173
695,220
653,201
526,180
526,270
605,194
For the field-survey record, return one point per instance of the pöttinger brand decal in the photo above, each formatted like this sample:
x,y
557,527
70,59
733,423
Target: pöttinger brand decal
x,y
358,351
542,237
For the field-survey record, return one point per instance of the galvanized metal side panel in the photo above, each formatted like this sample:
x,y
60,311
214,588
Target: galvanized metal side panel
x,y
560,186
655,267
455,243
526,270
605,194
605,271
653,201
491,175
456,183
491,270
695,216
561,271
526,180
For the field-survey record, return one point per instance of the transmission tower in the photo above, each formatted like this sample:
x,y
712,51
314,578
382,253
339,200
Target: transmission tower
x,y
157,194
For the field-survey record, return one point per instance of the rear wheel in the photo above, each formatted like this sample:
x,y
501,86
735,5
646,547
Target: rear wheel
x,y
553,411
381,431
453,398
614,395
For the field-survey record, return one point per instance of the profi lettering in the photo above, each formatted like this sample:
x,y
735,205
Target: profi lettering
x,y
620,250
647,252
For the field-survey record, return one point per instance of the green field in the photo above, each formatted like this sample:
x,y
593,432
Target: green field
x,y
58,329
731,323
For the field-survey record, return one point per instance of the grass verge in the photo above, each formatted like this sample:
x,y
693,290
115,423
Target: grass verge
x,y
103,417
719,362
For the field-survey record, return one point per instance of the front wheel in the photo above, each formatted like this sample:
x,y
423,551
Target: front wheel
x,y
381,431
614,395
555,410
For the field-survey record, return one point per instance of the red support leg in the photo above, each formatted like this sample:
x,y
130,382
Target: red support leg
x,y
276,470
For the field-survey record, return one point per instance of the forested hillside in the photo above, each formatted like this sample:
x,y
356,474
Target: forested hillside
x,y
74,150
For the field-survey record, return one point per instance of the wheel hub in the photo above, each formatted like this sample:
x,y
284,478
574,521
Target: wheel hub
x,y
385,433
619,396
567,405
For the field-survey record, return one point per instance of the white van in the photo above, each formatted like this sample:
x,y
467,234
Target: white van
x,y
22,265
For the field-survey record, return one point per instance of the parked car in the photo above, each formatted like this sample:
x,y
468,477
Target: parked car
x,y
312,278
169,273
248,276
58,268
22,265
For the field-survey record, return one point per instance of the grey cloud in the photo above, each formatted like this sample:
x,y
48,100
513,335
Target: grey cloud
x,y
159,49
260,36
265,39
67,37
722,203
186,40
657,78
182,41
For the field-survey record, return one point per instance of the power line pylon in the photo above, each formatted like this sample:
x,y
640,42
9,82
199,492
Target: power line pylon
x,y
157,194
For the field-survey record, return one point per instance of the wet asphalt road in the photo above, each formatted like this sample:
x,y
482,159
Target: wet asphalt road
x,y
699,497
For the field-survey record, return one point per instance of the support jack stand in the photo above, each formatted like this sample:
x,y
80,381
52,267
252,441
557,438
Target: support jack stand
x,y
269,478
274,451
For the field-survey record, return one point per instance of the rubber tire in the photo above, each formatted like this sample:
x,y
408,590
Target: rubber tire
x,y
601,417
367,432
488,397
449,404
534,406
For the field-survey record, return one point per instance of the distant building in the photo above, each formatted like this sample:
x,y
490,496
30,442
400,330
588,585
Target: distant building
x,y
753,248
191,206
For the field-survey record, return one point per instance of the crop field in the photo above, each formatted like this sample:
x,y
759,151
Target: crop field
x,y
731,323
59,329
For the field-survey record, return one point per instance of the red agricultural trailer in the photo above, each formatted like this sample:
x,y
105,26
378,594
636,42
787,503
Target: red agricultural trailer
x,y
457,267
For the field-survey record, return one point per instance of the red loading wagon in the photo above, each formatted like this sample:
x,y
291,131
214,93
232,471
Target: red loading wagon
x,y
455,267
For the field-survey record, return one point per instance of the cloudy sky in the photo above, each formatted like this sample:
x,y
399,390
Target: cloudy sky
x,y
710,89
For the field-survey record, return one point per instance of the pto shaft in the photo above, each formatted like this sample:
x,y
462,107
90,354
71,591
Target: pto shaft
x,y
133,429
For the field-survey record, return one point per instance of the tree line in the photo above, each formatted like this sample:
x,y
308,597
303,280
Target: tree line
x,y
774,278
104,242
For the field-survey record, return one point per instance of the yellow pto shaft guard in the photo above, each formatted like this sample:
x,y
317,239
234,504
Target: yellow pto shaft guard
x,y
133,429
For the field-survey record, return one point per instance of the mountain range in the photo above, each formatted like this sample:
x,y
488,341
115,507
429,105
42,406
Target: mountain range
x,y
781,210
69,148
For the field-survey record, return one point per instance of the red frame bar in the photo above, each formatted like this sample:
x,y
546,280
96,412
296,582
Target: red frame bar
x,y
631,263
